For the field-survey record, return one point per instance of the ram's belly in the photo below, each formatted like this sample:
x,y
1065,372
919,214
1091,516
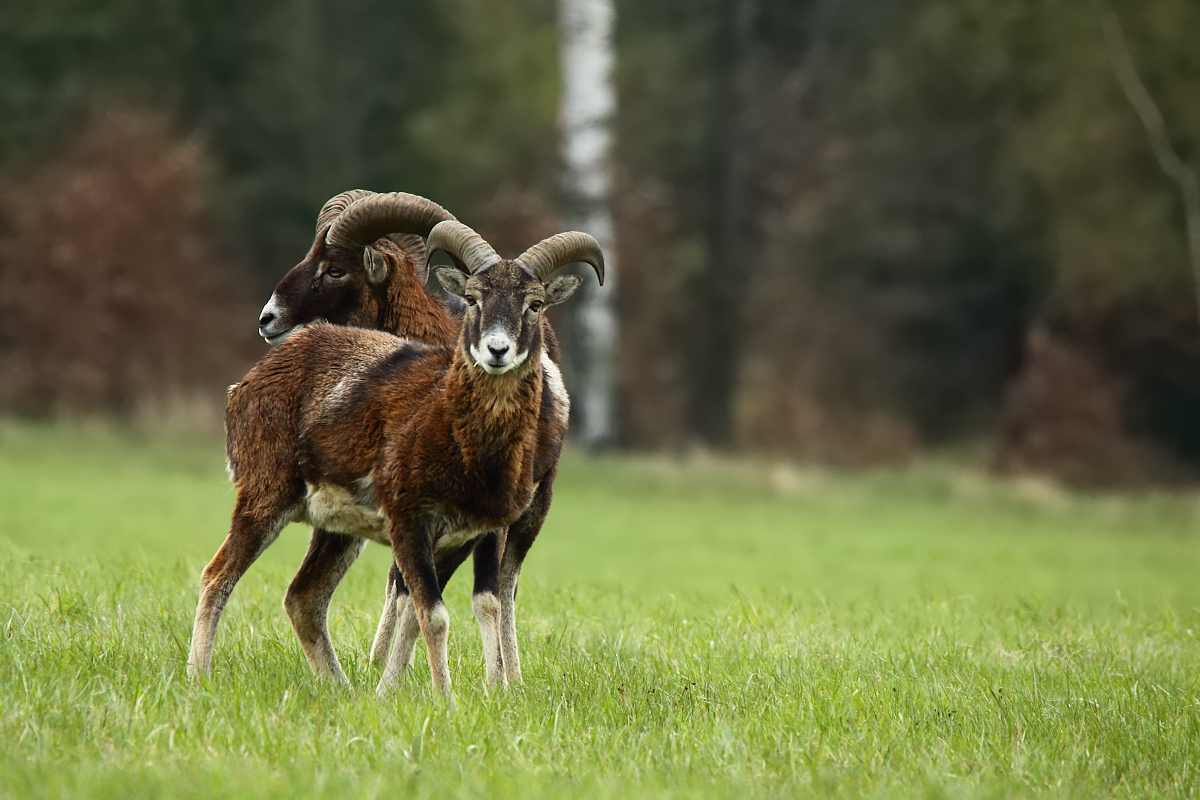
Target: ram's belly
x,y
333,508
452,531
453,540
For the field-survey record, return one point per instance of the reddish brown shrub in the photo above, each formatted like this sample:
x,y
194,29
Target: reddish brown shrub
x,y
108,294
1064,417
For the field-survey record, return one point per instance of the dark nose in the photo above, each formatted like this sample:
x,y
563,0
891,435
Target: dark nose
x,y
266,319
497,352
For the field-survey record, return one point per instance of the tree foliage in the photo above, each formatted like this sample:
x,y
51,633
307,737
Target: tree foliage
x,y
933,183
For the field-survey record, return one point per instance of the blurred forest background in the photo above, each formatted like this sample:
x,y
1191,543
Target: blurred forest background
x,y
951,227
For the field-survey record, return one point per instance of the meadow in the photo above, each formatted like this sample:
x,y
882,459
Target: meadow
x,y
688,629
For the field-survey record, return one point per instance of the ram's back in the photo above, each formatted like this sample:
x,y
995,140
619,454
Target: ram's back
x,y
309,397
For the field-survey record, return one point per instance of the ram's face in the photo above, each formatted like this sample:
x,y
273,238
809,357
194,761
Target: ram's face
x,y
504,311
329,284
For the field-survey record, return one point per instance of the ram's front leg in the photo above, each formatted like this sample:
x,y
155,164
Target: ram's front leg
x,y
413,551
485,602
396,649
397,594
521,535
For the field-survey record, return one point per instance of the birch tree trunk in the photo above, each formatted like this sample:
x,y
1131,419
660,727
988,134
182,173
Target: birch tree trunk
x,y
588,104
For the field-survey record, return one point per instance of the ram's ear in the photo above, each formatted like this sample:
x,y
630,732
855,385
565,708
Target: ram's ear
x,y
375,265
414,249
452,279
561,287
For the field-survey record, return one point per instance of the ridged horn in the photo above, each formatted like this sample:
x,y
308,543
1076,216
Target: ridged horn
x,y
371,216
337,204
562,249
462,243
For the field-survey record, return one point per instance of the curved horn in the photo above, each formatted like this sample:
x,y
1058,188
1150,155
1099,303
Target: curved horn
x,y
371,216
337,204
462,243
562,249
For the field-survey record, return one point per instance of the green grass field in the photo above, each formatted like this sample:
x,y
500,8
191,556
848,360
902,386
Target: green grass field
x,y
716,630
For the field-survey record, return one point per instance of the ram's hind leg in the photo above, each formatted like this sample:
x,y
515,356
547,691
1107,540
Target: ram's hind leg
x,y
485,602
257,521
381,646
328,558
402,646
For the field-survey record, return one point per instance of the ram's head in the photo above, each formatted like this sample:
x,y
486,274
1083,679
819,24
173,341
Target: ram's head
x,y
505,297
365,242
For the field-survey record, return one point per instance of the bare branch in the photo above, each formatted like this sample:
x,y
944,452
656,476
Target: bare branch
x,y
1169,161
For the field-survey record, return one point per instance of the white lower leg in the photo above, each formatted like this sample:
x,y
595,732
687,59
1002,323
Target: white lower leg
x,y
486,606
204,631
508,626
402,647
323,659
216,585
386,631
436,627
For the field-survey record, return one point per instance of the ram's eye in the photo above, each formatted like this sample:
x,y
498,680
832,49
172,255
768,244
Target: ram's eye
x,y
335,272
470,300
535,306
